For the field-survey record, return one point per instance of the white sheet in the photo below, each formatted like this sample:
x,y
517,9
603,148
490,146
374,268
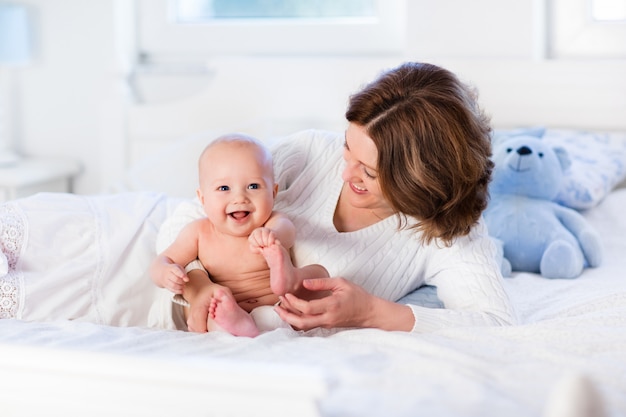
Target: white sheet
x,y
570,327
81,257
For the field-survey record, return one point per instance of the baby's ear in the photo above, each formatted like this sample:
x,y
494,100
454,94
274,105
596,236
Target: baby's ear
x,y
275,189
200,196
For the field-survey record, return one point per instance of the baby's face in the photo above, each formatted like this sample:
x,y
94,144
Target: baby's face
x,y
236,187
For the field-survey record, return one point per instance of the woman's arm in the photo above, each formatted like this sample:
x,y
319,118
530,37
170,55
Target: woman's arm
x,y
468,284
351,306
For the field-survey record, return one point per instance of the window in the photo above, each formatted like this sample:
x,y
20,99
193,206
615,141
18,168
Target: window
x,y
588,29
214,11
608,10
171,28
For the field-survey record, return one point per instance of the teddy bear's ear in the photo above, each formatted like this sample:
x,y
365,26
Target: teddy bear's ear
x,y
499,136
563,157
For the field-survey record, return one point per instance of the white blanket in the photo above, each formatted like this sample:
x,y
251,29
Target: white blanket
x,y
570,329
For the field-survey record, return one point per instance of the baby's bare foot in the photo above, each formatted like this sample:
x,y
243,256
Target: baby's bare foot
x,y
283,277
227,314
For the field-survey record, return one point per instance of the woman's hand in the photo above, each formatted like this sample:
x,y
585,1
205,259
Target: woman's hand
x,y
348,305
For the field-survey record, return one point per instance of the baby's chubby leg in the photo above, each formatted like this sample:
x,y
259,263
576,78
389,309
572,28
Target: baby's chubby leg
x,y
226,315
285,277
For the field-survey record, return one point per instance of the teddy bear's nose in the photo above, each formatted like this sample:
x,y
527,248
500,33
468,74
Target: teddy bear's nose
x,y
524,150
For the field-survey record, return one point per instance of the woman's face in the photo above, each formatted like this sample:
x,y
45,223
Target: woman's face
x,y
361,174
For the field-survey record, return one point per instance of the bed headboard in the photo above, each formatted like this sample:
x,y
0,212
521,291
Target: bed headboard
x,y
271,97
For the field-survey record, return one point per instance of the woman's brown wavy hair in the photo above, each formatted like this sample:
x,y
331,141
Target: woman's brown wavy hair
x,y
433,145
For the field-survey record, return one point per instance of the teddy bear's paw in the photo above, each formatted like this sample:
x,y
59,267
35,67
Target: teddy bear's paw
x,y
505,267
592,247
561,260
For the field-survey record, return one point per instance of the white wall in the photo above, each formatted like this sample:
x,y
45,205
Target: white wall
x,y
61,93
71,96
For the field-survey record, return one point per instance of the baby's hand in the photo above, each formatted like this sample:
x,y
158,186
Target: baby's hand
x,y
174,278
260,238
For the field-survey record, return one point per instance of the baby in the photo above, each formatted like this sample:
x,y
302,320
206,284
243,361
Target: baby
x,y
242,243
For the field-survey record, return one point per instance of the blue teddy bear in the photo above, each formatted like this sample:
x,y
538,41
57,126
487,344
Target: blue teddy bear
x,y
537,234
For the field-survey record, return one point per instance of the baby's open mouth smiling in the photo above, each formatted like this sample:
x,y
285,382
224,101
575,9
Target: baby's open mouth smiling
x,y
239,215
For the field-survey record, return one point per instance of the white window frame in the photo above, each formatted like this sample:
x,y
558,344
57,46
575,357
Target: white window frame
x,y
157,35
574,34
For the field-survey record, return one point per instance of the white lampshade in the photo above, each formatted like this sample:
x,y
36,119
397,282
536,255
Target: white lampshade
x,y
15,34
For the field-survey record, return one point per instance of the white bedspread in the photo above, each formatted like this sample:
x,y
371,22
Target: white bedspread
x,y
569,328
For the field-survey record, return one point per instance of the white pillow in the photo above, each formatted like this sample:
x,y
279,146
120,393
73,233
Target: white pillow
x,y
598,165
598,162
173,168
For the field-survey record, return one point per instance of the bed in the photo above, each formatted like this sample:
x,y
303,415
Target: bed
x,y
566,357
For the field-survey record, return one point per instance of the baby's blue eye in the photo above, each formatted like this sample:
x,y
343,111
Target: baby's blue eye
x,y
223,188
254,186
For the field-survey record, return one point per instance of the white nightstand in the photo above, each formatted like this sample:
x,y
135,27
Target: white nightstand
x,y
28,176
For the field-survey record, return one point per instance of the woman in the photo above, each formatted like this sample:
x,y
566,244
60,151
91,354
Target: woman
x,y
394,205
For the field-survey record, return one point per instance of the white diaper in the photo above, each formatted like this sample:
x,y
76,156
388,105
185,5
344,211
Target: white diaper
x,y
164,314
267,319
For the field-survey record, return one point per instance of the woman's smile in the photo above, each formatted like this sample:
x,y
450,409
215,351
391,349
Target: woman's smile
x,y
357,189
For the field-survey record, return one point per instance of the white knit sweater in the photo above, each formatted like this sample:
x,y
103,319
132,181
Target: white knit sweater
x,y
385,261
